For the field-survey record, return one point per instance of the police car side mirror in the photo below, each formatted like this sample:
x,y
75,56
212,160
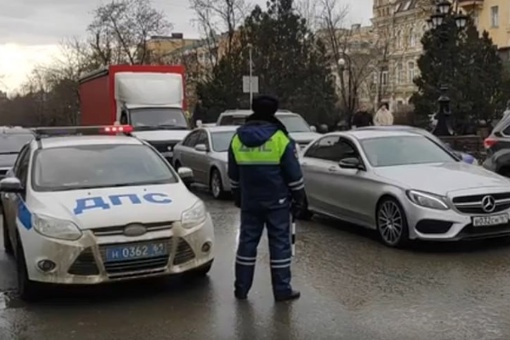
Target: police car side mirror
x,y
186,174
11,185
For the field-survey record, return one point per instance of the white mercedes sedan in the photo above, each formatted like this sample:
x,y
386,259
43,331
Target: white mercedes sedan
x,y
404,185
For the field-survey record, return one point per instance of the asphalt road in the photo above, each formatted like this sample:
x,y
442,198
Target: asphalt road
x,y
352,288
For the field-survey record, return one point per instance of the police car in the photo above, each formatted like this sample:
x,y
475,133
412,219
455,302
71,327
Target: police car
x,y
84,208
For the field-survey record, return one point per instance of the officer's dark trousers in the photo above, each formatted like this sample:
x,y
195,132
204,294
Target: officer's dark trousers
x,y
278,231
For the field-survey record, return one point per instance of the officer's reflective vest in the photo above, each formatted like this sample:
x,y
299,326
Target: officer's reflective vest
x,y
269,153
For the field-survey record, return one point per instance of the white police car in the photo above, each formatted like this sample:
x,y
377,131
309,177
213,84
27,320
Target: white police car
x,y
88,209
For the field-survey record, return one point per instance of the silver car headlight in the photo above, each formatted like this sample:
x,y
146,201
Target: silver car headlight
x,y
56,228
427,200
194,216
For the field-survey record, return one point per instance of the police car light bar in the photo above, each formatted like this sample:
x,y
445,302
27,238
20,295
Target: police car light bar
x,y
81,130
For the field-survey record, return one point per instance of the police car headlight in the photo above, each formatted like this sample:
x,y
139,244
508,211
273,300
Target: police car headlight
x,y
55,228
196,215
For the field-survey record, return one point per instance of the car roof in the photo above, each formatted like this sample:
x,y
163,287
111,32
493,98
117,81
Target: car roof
x,y
376,133
241,113
15,130
220,128
58,142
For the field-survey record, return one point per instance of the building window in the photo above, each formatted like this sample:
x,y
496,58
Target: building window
x,y
400,74
412,38
384,78
398,40
411,71
495,16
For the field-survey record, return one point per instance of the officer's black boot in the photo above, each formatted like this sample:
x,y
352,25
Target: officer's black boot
x,y
293,295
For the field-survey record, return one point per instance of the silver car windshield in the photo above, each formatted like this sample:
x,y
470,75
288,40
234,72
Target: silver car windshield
x,y
221,140
98,166
403,150
294,123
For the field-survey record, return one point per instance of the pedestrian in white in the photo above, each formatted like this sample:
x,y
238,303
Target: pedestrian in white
x,y
383,116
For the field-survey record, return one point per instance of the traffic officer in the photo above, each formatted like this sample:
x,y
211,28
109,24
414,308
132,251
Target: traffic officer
x,y
266,181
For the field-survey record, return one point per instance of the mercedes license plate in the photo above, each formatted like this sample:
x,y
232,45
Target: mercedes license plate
x,y
127,252
487,221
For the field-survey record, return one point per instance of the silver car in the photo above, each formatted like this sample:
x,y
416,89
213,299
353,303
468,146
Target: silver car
x,y
405,186
205,151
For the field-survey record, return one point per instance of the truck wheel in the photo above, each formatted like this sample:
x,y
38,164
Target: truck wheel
x,y
7,240
27,290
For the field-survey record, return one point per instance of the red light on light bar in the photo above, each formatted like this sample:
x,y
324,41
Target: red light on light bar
x,y
118,129
489,142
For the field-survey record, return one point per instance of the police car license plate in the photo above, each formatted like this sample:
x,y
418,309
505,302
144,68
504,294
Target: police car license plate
x,y
135,251
487,221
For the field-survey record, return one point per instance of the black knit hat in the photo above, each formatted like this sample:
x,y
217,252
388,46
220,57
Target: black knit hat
x,y
265,105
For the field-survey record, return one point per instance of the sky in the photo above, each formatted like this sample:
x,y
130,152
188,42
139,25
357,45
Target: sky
x,y
31,30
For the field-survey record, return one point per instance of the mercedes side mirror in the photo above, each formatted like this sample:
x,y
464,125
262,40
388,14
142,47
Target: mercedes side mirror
x,y
313,128
350,163
11,185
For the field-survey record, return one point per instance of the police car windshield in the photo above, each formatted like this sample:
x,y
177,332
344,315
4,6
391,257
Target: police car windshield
x,y
221,140
98,166
11,143
158,117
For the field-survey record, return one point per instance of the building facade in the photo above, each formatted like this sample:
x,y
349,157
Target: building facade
x,y
399,26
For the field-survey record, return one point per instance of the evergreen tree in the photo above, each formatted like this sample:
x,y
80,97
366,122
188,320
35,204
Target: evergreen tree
x,y
468,64
289,61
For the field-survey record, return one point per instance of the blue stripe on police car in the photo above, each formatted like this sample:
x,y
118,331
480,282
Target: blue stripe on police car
x,y
107,202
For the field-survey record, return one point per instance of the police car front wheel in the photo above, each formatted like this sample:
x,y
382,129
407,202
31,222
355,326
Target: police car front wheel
x,y
28,290
7,240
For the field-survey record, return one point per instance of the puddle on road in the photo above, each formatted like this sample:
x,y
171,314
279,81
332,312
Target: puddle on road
x,y
3,301
9,300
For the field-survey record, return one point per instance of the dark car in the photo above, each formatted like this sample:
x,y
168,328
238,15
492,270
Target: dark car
x,y
497,147
12,140
461,156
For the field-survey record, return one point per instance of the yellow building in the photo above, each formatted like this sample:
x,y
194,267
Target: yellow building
x,y
161,46
492,16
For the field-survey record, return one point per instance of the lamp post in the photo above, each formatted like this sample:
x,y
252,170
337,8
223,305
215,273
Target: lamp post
x,y
444,10
346,92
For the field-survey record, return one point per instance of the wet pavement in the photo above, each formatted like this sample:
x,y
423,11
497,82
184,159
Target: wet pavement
x,y
352,288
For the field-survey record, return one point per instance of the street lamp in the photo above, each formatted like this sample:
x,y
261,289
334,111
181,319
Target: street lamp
x,y
444,10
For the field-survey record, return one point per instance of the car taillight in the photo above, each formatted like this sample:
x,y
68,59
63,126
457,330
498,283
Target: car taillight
x,y
489,142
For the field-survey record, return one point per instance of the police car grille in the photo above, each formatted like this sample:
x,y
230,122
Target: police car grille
x,y
164,146
85,264
119,230
473,204
136,267
184,253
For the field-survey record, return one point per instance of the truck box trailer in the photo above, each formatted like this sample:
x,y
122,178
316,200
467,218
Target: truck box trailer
x,y
151,98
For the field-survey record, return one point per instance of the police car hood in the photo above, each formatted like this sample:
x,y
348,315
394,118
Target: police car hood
x,y
256,133
99,208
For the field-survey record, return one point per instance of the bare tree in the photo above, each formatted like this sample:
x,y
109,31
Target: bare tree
x,y
351,52
218,19
120,30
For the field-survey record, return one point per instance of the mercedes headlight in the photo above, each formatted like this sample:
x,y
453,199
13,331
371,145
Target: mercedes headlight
x,y
427,200
56,228
194,216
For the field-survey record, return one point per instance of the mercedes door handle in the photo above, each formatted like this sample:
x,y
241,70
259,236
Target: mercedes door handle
x,y
332,169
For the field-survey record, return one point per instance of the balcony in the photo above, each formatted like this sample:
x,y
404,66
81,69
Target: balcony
x,y
470,4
